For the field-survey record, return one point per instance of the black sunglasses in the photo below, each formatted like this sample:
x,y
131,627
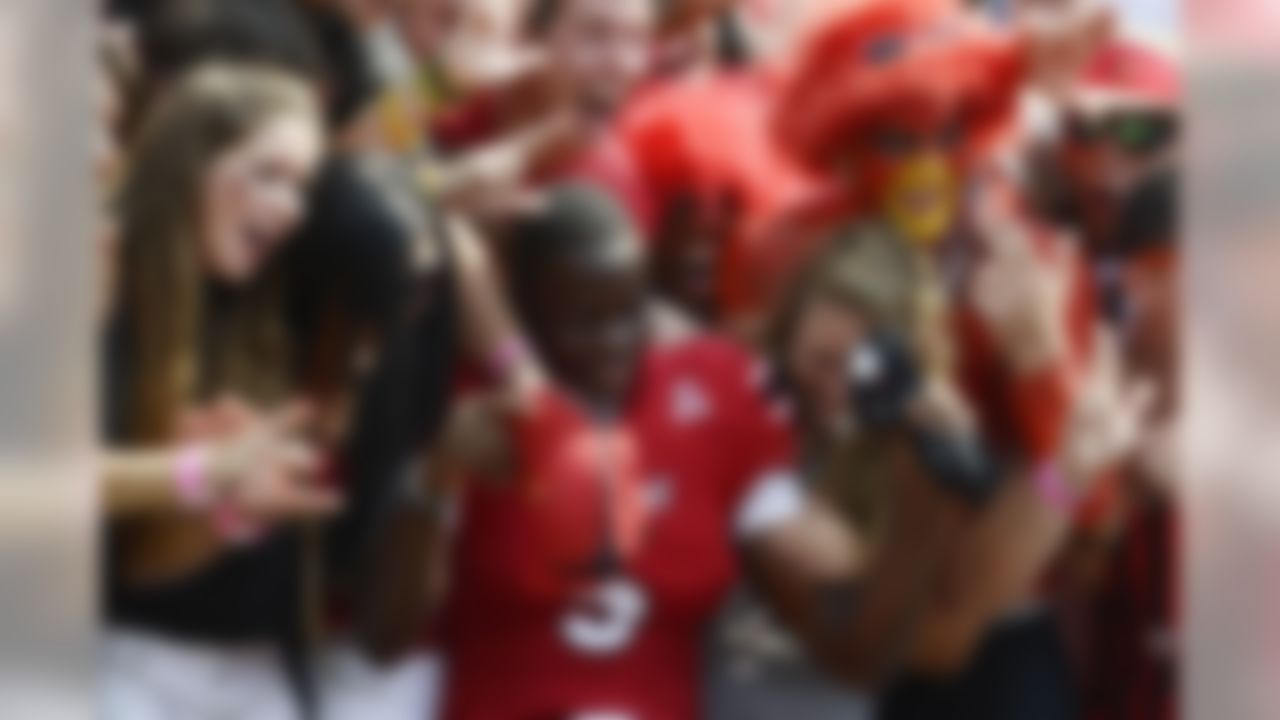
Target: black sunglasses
x,y
1138,132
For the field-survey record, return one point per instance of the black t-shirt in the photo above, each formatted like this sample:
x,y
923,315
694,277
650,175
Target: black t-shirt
x,y
242,596
353,258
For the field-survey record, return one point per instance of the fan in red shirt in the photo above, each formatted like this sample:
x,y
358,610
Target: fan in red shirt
x,y
1133,640
557,122
713,171
902,104
1118,159
584,571
698,460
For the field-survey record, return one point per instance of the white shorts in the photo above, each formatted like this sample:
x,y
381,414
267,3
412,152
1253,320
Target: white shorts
x,y
352,687
151,677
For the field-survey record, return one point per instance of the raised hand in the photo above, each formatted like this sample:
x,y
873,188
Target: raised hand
x,y
259,464
1109,414
1061,36
1022,290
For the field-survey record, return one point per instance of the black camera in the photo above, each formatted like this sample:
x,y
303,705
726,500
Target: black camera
x,y
884,380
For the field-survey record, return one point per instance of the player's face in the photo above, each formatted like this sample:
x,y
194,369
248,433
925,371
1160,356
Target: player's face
x,y
591,319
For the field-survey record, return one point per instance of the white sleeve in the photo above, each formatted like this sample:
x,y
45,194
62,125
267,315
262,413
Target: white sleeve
x,y
775,497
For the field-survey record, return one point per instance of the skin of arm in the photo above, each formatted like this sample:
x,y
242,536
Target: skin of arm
x,y
1009,545
1013,540
490,178
854,611
487,320
998,557
138,482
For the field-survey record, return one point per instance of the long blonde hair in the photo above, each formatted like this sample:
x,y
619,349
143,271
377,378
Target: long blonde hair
x,y
162,309
870,271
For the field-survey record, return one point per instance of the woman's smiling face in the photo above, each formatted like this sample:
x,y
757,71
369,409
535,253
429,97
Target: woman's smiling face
x,y
254,195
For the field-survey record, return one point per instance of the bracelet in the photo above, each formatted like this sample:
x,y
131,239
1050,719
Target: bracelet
x,y
233,527
191,477
507,356
1054,489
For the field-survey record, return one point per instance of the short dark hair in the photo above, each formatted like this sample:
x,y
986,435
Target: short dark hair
x,y
541,15
573,219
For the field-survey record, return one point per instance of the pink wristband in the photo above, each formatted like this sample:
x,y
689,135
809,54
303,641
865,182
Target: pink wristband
x,y
234,527
190,477
507,356
1054,489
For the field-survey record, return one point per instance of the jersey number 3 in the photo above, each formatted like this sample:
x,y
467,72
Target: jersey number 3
x,y
603,620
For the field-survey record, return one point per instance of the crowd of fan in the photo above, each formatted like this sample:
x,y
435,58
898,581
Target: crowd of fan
x,y
569,359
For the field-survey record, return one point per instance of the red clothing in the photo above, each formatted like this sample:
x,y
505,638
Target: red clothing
x,y
775,252
608,163
628,644
785,247
708,139
1132,668
605,160
474,121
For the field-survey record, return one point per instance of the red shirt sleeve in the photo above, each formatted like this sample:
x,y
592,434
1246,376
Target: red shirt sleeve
x,y
469,123
757,424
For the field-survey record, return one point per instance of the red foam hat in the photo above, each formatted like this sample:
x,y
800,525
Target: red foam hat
x,y
710,140
911,63
710,136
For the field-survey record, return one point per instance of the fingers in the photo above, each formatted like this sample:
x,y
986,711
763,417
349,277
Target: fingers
x,y
479,438
225,416
293,419
193,425
284,488
299,460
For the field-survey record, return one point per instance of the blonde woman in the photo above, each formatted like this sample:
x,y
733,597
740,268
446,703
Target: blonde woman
x,y
206,458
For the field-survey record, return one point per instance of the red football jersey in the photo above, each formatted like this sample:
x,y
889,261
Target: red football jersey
x,y
717,457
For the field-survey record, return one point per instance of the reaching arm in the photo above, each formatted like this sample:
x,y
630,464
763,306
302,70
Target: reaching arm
x,y
140,481
256,462
998,558
853,610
